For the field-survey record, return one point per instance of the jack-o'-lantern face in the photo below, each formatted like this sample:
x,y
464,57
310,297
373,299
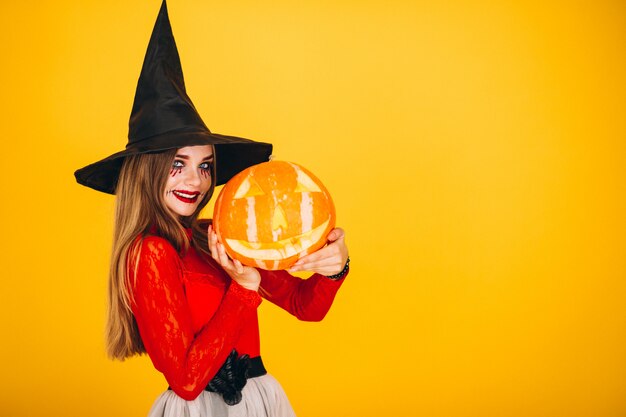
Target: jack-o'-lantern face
x,y
272,214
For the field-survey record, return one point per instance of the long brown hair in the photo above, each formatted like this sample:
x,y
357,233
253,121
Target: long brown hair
x,y
140,209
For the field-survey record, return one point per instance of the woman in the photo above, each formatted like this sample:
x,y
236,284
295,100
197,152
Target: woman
x,y
173,291
190,305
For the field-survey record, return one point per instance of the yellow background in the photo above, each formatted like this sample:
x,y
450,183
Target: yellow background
x,y
476,153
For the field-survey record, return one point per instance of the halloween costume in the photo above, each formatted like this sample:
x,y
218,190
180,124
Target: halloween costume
x,y
191,315
197,324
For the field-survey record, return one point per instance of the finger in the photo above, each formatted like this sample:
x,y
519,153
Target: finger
x,y
221,253
335,234
328,270
224,261
238,266
315,265
320,259
213,247
321,266
320,254
306,260
331,269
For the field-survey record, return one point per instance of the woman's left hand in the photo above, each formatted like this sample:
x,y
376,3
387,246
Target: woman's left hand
x,y
328,260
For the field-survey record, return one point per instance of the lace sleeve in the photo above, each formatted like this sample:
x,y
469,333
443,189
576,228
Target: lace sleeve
x,y
307,299
187,360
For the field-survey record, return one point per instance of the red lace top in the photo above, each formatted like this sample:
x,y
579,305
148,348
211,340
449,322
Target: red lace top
x,y
190,314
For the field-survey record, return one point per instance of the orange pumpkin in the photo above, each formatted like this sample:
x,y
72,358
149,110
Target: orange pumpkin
x,y
272,214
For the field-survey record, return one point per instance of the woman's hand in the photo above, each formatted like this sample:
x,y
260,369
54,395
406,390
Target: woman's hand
x,y
328,260
245,276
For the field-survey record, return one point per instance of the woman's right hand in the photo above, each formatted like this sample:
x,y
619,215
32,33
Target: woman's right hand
x,y
245,276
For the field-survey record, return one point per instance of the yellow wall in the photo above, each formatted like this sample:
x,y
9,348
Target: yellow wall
x,y
476,153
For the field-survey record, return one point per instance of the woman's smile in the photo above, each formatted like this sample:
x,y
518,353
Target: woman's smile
x,y
187,196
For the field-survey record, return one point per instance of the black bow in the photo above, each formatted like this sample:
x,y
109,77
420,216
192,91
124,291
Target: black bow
x,y
231,378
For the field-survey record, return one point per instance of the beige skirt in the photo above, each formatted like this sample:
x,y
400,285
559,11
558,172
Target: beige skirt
x,y
261,397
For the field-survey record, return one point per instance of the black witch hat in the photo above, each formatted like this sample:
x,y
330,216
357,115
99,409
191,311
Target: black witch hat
x,y
163,117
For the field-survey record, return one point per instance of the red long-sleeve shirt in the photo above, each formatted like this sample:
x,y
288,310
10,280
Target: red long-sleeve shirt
x,y
190,314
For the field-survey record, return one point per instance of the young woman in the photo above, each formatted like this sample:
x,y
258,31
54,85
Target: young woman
x,y
176,295
173,292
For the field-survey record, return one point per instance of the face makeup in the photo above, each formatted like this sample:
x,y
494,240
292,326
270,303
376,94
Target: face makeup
x,y
189,179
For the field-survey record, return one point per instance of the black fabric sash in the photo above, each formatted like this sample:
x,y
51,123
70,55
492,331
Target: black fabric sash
x,y
233,375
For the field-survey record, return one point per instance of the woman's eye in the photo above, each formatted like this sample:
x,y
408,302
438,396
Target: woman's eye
x,y
177,164
205,166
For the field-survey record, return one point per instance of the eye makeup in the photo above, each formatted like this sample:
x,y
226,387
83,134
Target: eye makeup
x,y
206,172
177,168
206,167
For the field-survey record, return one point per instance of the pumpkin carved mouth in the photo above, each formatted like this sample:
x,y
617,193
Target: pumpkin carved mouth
x,y
282,249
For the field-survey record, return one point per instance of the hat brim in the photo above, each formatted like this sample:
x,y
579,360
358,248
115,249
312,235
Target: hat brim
x,y
232,155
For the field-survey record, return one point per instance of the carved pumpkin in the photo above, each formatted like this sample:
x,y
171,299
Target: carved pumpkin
x,y
272,214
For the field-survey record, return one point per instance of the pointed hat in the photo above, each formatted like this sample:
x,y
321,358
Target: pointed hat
x,y
163,117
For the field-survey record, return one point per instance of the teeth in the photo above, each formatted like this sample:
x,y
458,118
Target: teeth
x,y
185,195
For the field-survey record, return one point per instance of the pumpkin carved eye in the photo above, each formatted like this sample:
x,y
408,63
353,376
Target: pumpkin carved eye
x,y
248,188
272,214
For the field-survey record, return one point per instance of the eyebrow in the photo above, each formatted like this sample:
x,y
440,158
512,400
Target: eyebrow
x,y
186,157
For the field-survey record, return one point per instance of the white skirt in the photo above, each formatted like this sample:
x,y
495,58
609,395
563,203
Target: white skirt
x,y
261,397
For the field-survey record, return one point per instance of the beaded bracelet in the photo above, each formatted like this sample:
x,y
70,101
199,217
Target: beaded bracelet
x,y
343,272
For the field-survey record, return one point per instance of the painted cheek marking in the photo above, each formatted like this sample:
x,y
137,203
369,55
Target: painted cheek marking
x,y
175,171
205,173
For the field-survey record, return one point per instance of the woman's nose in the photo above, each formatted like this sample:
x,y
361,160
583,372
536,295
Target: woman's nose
x,y
193,178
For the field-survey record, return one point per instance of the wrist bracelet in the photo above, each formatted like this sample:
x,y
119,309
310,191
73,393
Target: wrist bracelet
x,y
342,273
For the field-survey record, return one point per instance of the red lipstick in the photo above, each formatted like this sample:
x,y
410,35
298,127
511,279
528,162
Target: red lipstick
x,y
189,197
